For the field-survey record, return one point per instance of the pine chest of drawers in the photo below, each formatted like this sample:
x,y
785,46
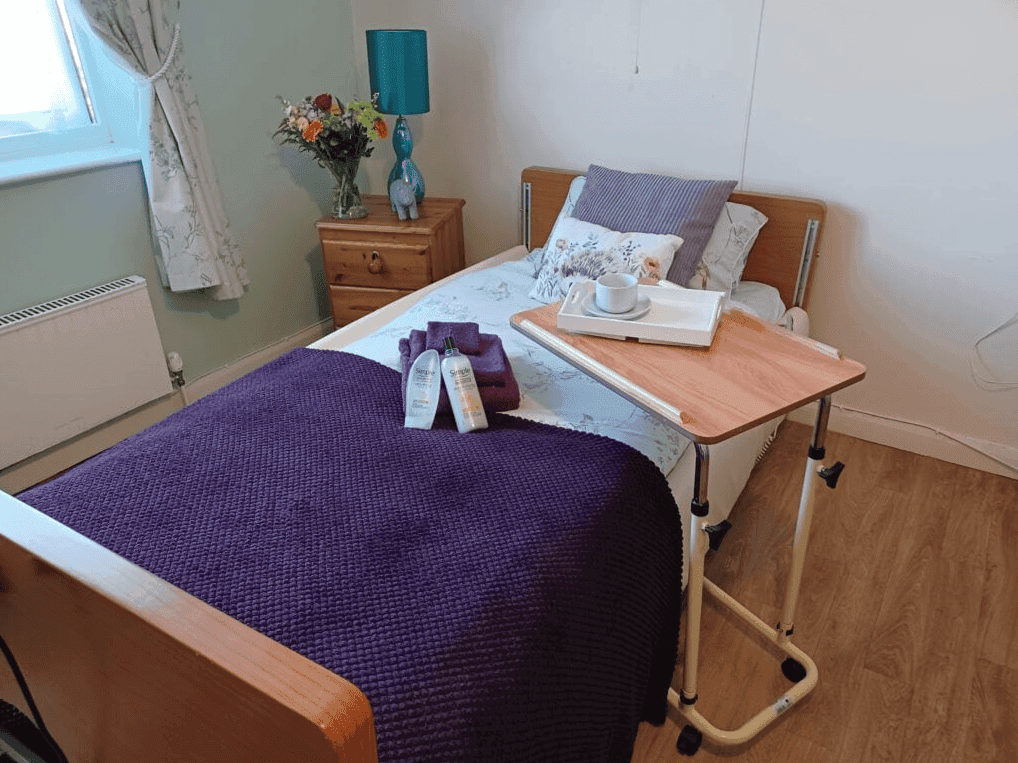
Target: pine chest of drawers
x,y
373,260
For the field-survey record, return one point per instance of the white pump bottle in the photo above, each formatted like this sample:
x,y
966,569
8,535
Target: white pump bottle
x,y
462,389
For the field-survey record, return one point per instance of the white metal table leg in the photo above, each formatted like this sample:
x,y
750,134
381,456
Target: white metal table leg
x,y
805,518
694,586
798,666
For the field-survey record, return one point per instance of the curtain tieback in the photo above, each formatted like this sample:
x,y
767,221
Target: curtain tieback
x,y
169,56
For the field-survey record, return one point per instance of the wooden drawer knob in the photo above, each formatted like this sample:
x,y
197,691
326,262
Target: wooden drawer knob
x,y
375,263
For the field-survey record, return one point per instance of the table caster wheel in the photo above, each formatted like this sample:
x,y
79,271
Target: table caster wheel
x,y
793,670
689,741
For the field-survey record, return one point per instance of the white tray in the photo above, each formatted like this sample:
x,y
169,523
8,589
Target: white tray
x,y
676,316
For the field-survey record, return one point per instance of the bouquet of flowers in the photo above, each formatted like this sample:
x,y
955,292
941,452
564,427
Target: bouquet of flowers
x,y
338,137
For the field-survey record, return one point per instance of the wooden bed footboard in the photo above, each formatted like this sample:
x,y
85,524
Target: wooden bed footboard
x,y
125,667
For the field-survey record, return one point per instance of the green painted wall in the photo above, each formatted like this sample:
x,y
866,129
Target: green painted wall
x,y
73,231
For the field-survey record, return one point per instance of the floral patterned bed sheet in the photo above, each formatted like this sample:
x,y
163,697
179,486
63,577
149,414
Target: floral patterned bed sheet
x,y
551,390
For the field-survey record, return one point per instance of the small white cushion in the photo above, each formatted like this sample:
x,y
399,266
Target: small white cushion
x,y
724,257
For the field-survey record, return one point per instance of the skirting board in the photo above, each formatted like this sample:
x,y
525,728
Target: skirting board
x,y
36,469
916,439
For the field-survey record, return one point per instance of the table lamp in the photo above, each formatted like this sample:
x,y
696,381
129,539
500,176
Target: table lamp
x,y
398,73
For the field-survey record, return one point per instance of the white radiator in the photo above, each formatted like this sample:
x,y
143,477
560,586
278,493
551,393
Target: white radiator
x,y
76,362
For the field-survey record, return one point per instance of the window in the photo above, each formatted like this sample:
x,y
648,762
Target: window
x,y
65,102
48,94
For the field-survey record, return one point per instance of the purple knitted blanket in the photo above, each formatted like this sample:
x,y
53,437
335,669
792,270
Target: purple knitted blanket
x,y
506,595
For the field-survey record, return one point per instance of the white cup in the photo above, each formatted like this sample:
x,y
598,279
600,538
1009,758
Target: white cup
x,y
616,292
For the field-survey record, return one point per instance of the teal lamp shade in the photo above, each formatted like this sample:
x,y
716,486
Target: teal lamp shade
x,y
398,70
398,74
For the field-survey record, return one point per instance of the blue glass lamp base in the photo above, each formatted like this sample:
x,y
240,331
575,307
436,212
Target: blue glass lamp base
x,y
403,145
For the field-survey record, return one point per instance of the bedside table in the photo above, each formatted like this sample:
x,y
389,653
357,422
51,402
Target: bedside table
x,y
374,260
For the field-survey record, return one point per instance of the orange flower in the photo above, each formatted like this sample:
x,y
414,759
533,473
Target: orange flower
x,y
381,129
311,131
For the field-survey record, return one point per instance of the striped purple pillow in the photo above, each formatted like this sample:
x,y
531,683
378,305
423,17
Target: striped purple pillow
x,y
642,203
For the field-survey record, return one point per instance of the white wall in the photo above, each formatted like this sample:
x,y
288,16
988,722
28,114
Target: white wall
x,y
552,83
900,115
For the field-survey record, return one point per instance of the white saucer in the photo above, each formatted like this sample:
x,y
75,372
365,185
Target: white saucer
x,y
641,309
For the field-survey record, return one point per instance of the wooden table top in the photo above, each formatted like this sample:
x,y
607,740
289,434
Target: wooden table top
x,y
753,372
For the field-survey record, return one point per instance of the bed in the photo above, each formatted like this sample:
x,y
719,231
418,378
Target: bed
x,y
125,665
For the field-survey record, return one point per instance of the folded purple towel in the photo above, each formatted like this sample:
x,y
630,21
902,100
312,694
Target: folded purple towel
x,y
503,394
487,359
465,334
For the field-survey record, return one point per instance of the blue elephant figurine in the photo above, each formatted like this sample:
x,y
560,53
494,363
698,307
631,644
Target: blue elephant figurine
x,y
403,200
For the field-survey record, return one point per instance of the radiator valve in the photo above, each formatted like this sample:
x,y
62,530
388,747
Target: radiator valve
x,y
176,366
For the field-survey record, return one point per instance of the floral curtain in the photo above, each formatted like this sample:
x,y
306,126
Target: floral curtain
x,y
196,248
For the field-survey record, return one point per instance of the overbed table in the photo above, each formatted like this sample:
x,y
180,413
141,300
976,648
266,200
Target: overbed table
x,y
753,372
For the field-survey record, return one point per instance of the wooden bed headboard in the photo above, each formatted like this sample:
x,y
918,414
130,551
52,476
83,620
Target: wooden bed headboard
x,y
783,255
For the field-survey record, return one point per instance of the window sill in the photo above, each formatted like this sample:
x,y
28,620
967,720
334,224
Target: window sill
x,y
39,167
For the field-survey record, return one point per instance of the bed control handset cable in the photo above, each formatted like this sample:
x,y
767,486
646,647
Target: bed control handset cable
x,y
21,740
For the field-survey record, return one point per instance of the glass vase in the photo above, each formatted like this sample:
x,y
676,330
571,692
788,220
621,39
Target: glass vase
x,y
346,200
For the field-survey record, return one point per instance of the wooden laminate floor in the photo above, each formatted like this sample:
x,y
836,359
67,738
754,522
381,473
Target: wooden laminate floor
x,y
909,606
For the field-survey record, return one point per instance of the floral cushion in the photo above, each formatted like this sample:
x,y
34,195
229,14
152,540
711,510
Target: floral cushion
x,y
536,257
578,250
724,257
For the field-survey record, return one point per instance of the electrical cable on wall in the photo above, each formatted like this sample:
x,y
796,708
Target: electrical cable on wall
x,y
937,430
993,384
639,29
752,90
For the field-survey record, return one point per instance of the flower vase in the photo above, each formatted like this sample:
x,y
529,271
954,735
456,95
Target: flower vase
x,y
346,200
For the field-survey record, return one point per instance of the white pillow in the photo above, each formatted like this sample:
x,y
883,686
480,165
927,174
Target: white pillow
x,y
759,299
575,189
578,250
725,255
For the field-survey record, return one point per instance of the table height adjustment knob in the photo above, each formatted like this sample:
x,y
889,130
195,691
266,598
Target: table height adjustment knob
x,y
830,474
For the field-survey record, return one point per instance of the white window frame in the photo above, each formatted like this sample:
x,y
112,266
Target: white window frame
x,y
121,101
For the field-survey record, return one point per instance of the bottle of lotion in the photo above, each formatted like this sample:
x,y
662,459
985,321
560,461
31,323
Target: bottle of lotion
x,y
422,389
462,388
